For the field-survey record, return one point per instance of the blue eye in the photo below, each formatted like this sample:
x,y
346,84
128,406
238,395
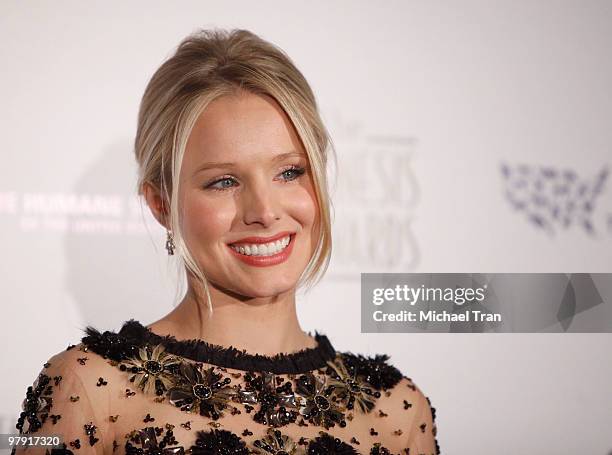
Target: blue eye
x,y
298,171
224,179
289,174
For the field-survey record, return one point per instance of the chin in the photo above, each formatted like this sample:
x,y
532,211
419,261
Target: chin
x,y
270,291
267,288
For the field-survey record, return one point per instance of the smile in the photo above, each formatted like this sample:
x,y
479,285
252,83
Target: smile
x,y
263,249
264,254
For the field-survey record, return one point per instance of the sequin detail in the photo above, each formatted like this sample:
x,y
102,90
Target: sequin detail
x,y
36,405
278,404
276,443
149,445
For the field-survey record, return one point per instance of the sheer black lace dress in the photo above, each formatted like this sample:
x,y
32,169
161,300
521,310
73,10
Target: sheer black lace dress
x,y
137,392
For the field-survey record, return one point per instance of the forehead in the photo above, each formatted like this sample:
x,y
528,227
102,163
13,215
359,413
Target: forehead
x,y
241,127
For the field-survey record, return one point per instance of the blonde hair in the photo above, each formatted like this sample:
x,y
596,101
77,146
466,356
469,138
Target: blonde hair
x,y
206,65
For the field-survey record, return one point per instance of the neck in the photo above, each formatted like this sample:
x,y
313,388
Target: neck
x,y
265,326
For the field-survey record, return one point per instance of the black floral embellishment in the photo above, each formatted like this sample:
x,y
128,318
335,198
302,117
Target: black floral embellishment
x,y
218,442
328,445
278,404
276,443
62,450
318,405
201,390
90,430
153,369
101,382
349,388
187,425
378,449
375,371
36,405
147,438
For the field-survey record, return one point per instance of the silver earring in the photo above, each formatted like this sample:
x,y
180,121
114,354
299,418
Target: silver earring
x,y
170,246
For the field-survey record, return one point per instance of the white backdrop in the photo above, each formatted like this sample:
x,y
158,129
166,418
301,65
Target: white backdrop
x,y
425,102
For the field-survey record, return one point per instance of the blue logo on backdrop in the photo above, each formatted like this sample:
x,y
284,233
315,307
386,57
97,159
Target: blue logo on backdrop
x,y
554,199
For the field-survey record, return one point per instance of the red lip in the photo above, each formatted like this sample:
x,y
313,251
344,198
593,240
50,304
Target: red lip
x,y
257,240
265,261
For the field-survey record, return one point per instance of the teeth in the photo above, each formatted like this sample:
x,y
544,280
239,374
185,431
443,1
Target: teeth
x,y
267,249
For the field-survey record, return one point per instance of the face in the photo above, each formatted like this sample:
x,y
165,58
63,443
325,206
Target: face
x,y
246,178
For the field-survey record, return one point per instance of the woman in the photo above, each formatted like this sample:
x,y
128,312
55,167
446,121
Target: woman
x,y
232,158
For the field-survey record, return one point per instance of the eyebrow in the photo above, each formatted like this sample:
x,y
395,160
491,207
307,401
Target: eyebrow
x,y
214,165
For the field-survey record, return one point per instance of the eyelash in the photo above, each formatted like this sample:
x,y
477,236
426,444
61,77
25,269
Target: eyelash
x,y
299,171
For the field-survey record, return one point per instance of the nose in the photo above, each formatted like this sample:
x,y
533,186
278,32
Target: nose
x,y
260,205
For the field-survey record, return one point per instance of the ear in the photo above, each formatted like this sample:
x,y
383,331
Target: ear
x,y
156,203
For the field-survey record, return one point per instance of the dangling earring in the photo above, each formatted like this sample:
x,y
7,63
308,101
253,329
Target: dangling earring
x,y
170,246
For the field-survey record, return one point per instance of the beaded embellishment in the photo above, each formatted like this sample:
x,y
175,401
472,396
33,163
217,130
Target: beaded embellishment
x,y
323,388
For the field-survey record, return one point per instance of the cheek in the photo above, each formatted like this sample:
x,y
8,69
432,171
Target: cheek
x,y
304,207
206,220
